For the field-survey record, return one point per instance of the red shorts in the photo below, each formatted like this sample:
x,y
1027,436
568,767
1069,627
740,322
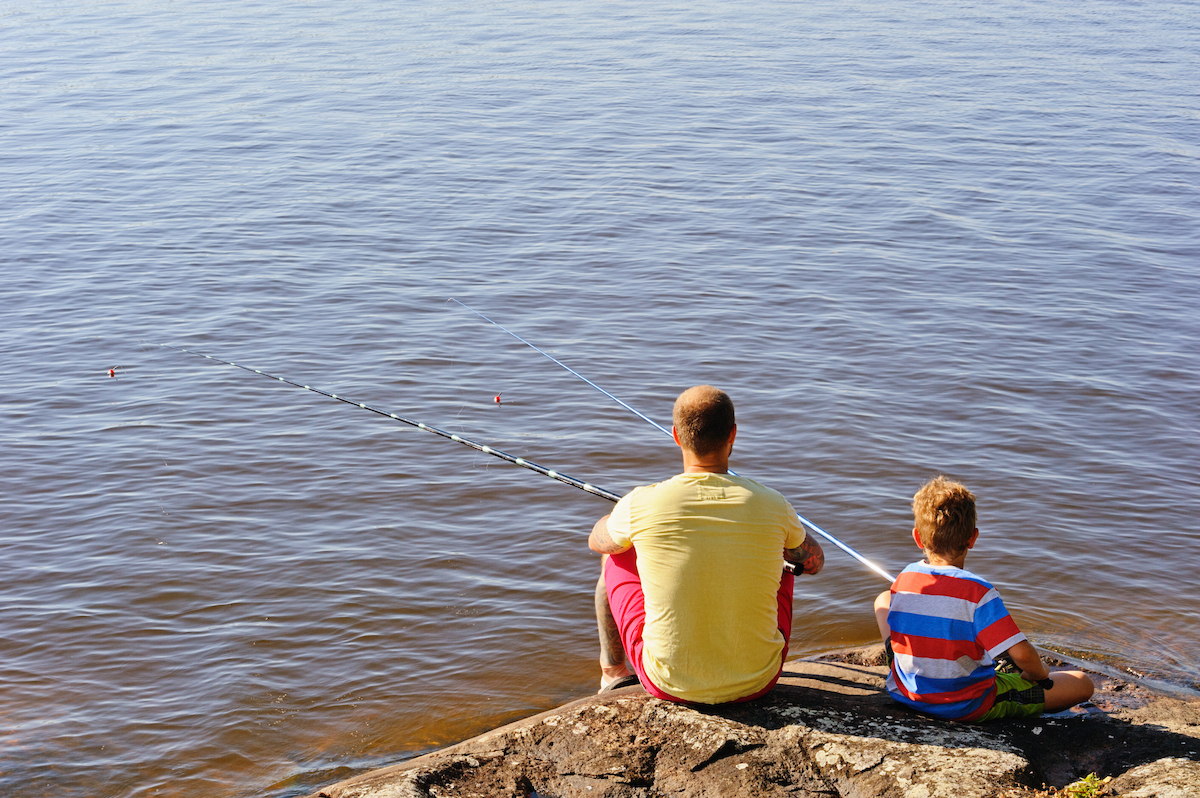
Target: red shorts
x,y
628,604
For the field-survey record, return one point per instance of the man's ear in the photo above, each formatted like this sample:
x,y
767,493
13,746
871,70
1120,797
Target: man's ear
x,y
675,435
732,434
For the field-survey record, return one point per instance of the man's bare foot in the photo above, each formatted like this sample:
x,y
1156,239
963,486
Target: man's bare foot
x,y
610,673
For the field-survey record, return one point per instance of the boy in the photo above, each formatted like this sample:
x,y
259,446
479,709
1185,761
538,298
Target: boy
x,y
944,627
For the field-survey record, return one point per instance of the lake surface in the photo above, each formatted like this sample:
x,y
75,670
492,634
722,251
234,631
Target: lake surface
x,y
908,238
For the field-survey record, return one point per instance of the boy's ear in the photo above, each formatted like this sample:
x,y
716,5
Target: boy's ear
x,y
974,537
917,539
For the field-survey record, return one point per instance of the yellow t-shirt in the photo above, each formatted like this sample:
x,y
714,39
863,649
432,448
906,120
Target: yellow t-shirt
x,y
709,550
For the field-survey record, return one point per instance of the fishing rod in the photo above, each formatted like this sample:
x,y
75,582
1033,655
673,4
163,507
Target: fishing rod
x,y
802,519
521,461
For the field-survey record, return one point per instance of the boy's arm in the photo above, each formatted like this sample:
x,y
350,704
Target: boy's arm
x,y
1026,658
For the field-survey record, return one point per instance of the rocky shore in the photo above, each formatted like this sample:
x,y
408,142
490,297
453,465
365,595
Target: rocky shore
x,y
829,729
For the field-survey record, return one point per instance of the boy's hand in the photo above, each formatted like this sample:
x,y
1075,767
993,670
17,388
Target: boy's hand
x,y
1045,684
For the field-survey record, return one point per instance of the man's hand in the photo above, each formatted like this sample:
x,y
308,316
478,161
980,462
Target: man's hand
x,y
601,542
808,555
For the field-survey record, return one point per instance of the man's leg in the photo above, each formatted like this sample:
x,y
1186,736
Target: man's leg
x,y
627,605
783,615
613,664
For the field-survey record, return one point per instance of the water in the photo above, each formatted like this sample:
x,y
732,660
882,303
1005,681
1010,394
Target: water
x,y
907,238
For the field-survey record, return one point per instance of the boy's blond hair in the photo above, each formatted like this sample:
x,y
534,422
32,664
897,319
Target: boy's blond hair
x,y
944,512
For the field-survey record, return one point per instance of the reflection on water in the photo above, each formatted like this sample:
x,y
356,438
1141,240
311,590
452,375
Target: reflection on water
x,y
958,239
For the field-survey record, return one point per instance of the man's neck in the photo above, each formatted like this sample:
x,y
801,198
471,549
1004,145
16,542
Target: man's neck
x,y
698,468
713,464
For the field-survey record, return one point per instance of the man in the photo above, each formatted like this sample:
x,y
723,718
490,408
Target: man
x,y
692,585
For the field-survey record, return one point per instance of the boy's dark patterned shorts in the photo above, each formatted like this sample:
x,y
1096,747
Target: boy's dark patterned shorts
x,y
1016,698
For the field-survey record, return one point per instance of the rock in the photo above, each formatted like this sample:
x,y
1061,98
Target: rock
x,y
1170,777
829,729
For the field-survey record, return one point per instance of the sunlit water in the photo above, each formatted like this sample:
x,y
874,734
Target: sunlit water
x,y
908,238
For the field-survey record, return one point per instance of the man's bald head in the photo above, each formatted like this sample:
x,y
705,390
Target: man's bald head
x,y
703,419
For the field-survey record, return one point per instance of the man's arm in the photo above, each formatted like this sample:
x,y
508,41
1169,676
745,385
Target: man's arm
x,y
808,555
601,542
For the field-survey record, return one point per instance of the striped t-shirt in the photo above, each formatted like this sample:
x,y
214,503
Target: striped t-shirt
x,y
948,625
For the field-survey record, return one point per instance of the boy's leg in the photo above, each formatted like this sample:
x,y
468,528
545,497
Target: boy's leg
x,y
1017,697
612,653
1070,688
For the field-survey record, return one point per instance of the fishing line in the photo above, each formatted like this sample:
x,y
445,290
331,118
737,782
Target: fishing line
x,y
521,461
803,520
568,368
